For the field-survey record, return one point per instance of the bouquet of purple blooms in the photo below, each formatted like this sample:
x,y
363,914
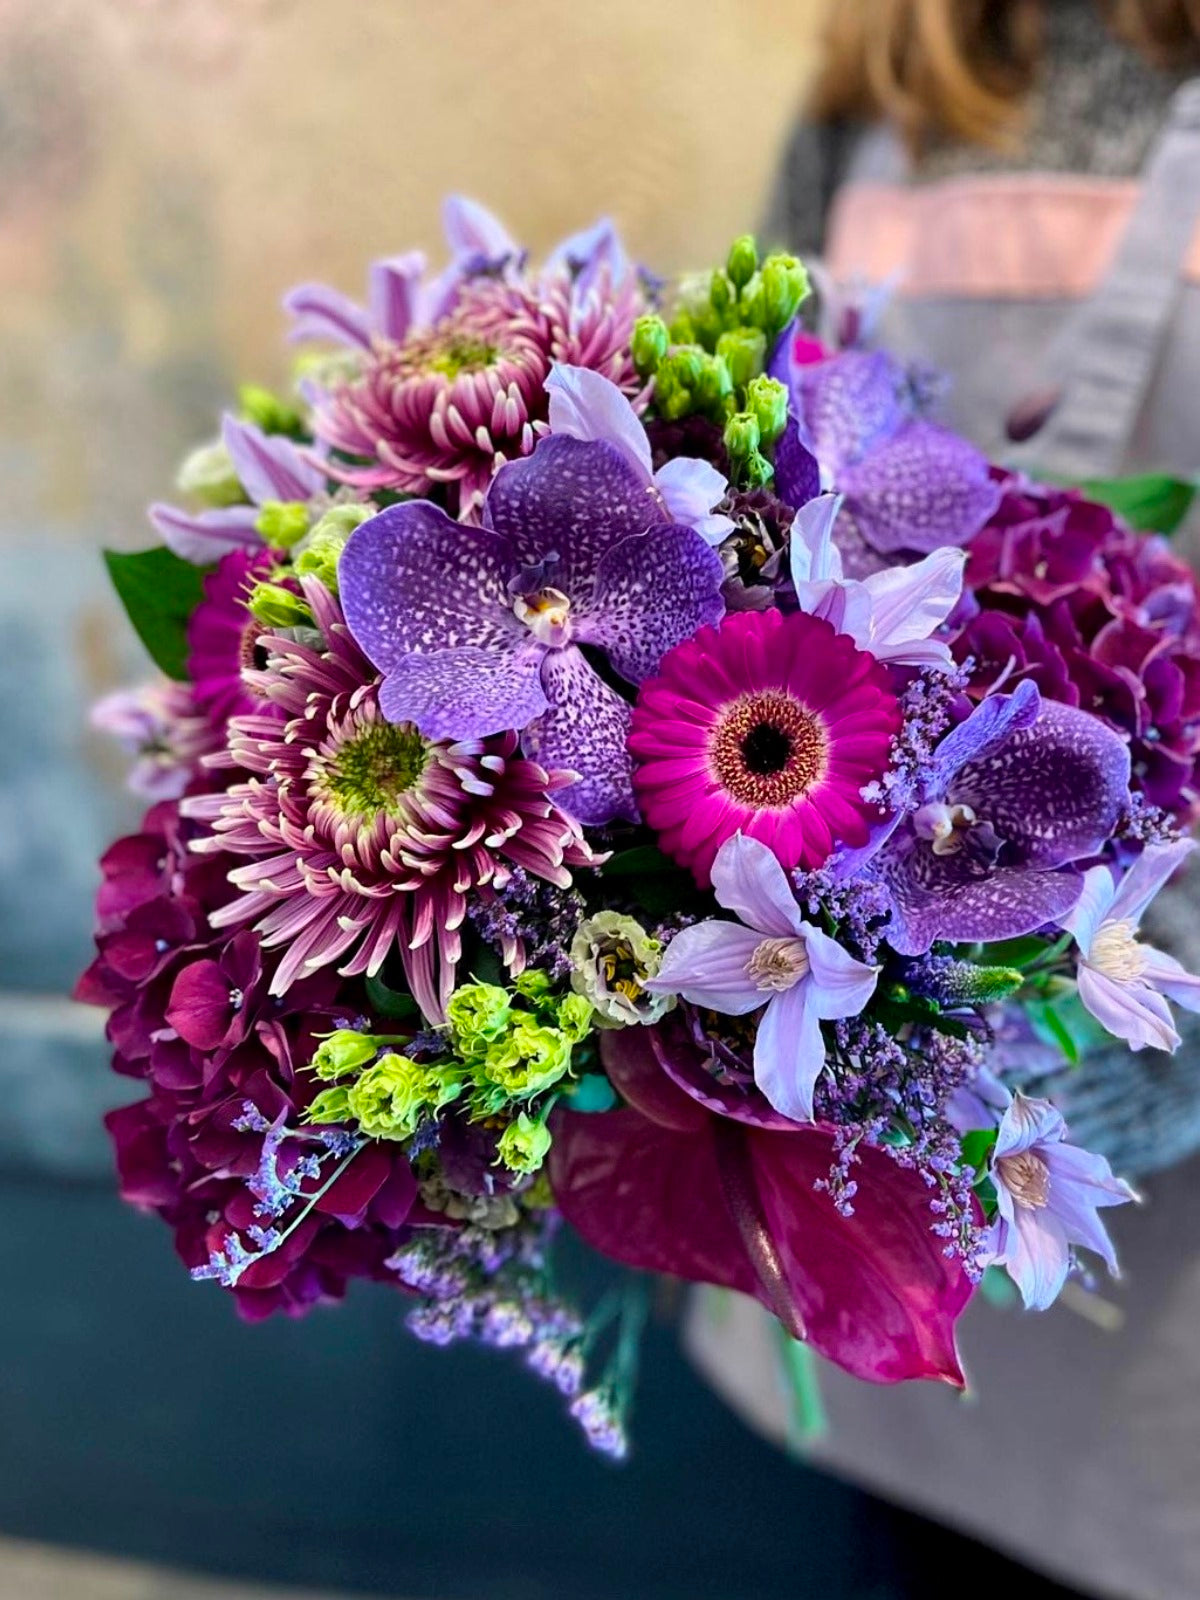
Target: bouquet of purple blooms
x,y
619,761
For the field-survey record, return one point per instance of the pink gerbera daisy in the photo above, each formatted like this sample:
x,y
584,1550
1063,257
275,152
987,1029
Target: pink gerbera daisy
x,y
770,726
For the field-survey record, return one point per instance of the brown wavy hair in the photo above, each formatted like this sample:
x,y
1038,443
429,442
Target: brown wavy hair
x,y
962,69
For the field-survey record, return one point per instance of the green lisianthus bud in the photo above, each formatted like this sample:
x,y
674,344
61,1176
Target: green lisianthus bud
x,y
342,1052
742,262
722,294
277,607
318,553
742,436
714,386
331,1105
784,286
207,474
390,1099
767,399
743,351
478,1014
528,1059
756,471
649,343
533,984
672,398
268,412
282,523
575,1013
524,1145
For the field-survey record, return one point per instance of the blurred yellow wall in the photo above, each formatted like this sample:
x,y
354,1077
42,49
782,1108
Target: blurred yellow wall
x,y
168,167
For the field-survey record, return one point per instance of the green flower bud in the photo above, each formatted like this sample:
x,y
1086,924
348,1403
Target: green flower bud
x,y
207,475
529,1059
331,1105
742,262
343,1052
722,294
784,286
672,398
575,1016
649,343
390,1099
277,607
318,553
742,436
282,523
268,412
612,958
714,386
524,1144
478,1014
756,471
767,398
743,351
534,984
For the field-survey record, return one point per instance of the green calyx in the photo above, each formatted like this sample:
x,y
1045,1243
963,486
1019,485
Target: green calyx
x,y
373,771
282,523
278,607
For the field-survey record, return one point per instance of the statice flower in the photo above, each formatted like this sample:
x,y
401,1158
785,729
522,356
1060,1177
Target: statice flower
x,y
1012,799
1048,1193
774,960
481,631
1124,983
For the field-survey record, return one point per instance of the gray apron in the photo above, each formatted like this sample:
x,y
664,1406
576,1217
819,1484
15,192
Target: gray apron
x,y
1077,1446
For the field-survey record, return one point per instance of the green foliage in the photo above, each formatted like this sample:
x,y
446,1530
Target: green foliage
x,y
159,592
392,1003
1152,502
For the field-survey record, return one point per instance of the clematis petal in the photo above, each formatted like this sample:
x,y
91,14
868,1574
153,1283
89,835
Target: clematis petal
x,y
202,537
748,880
1129,1011
789,1052
841,984
707,964
586,405
268,465
1152,870
1037,1255
1027,1121
909,603
690,489
1170,977
813,557
1092,908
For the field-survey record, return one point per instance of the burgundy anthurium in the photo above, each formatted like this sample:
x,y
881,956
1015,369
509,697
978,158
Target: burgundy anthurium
x,y
709,1184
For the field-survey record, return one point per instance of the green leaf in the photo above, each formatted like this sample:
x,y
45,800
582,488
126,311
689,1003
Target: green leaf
x,y
159,592
637,862
977,1147
1152,502
1018,953
390,1002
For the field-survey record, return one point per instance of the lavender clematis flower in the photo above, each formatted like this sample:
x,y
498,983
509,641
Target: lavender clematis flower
x,y
1047,1196
908,483
478,630
772,958
1014,795
1126,984
893,612
587,405
268,466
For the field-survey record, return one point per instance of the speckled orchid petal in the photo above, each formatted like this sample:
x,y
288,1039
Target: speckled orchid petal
x,y
652,592
919,490
848,405
584,731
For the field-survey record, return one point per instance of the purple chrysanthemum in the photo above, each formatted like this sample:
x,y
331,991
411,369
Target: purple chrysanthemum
x,y
362,835
446,405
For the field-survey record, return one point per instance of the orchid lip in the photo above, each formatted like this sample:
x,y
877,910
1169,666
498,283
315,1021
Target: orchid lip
x,y
547,615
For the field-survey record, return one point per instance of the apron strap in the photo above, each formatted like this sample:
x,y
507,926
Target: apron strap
x,y
1102,364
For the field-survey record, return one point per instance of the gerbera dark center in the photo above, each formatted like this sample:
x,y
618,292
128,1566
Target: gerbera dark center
x,y
769,749
372,772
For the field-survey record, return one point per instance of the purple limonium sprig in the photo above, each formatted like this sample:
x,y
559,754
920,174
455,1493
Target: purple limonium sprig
x,y
402,298
771,959
1048,1194
269,467
477,631
908,483
1013,797
587,405
1124,983
894,612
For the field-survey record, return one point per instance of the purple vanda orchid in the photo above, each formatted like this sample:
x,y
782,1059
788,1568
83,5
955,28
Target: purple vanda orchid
x,y
402,298
587,405
908,484
1124,983
893,613
1014,796
479,630
268,467
772,959
1048,1193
